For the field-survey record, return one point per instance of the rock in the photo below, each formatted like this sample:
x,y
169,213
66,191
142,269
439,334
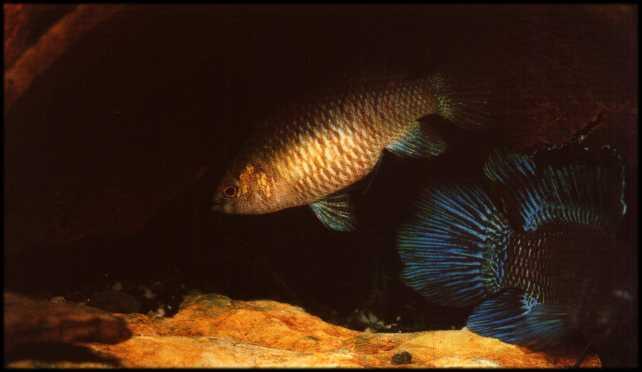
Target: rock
x,y
215,331
403,357
57,300
24,24
26,66
30,321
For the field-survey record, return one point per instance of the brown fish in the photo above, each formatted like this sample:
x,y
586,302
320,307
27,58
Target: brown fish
x,y
304,154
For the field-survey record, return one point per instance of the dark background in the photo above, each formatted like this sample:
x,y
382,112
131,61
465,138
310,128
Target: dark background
x,y
112,156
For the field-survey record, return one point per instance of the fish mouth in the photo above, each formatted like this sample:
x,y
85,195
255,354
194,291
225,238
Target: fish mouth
x,y
217,205
220,205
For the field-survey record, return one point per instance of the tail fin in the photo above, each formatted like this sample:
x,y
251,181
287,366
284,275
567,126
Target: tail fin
x,y
454,248
563,184
463,101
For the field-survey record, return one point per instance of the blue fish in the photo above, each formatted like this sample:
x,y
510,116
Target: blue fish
x,y
529,248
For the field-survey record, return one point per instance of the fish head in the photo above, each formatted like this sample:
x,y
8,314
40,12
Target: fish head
x,y
246,189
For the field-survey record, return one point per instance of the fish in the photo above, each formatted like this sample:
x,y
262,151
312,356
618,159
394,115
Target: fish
x,y
529,248
310,152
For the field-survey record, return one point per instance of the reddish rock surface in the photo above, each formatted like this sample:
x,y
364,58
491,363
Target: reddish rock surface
x,y
28,321
215,331
27,63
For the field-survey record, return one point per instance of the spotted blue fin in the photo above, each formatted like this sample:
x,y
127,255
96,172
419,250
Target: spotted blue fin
x,y
454,247
418,142
462,101
586,190
518,318
335,212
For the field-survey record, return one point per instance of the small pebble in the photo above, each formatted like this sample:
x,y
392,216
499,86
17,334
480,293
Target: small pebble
x,y
160,312
147,293
625,295
57,300
403,357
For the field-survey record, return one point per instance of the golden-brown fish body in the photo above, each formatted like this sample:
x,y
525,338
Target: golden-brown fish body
x,y
306,152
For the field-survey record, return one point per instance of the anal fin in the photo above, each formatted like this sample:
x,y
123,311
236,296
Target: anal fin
x,y
335,212
518,318
418,142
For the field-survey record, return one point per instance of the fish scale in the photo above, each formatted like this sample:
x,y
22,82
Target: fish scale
x,y
539,261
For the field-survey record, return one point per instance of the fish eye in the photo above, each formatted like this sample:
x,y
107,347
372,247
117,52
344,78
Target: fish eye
x,y
230,191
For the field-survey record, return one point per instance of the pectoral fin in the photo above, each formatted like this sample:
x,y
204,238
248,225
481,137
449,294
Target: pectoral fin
x,y
418,142
336,212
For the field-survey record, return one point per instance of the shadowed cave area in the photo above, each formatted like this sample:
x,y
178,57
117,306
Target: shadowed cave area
x,y
114,151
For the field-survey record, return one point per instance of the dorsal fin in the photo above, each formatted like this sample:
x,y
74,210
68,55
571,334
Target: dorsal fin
x,y
562,184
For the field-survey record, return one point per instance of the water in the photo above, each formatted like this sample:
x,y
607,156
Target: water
x,y
111,158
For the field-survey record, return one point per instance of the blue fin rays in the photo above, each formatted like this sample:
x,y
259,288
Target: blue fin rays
x,y
580,192
515,317
454,250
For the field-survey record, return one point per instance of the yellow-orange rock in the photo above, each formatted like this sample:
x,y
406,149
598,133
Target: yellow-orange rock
x,y
215,331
